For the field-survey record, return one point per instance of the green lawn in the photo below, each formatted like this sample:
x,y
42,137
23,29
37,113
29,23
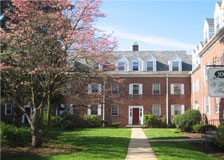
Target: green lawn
x,y
94,144
163,133
174,150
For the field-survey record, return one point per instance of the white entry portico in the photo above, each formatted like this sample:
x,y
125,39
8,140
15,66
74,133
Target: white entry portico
x,y
135,115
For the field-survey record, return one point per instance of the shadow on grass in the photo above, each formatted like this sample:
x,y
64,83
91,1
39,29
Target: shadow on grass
x,y
88,144
178,150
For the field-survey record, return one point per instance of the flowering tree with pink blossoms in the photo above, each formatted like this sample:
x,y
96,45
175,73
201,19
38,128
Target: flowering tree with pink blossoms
x,y
46,41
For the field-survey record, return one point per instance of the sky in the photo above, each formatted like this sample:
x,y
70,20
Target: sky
x,y
156,25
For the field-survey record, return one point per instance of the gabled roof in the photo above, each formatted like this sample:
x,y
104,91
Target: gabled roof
x,y
162,58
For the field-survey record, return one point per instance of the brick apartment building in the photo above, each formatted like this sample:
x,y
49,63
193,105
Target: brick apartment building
x,y
155,82
209,53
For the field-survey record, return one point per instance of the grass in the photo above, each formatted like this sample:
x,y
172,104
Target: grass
x,y
178,151
162,133
174,150
94,144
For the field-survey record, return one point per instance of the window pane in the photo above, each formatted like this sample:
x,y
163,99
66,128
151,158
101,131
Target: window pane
x,y
177,89
115,88
94,110
149,66
135,89
156,109
114,110
175,66
8,109
156,89
121,66
135,66
177,109
94,88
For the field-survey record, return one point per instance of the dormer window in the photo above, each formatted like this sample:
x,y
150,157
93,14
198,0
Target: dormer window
x,y
150,66
150,63
175,66
175,63
135,63
122,63
135,66
121,66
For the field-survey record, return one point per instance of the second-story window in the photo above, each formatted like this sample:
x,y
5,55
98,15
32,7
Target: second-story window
x,y
135,89
177,88
156,89
114,88
94,88
135,66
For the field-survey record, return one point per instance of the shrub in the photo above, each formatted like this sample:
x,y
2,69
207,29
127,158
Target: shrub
x,y
202,128
92,120
148,118
176,120
14,137
116,124
187,120
67,125
220,132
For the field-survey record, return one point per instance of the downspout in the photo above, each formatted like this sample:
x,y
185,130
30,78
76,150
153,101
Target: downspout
x,y
104,84
167,94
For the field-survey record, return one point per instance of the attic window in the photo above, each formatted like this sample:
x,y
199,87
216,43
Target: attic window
x,y
150,66
175,66
121,66
135,66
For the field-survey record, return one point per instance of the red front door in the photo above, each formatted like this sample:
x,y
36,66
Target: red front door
x,y
135,116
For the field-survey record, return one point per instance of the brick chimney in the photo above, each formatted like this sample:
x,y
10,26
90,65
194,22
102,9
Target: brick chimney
x,y
135,46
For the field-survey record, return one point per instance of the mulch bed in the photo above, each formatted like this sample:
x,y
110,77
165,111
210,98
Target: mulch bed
x,y
216,152
45,150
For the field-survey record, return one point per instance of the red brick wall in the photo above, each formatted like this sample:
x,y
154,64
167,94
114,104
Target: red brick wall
x,y
147,99
207,59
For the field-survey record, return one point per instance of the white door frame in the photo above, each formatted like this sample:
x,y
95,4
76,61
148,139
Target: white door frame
x,y
23,116
130,114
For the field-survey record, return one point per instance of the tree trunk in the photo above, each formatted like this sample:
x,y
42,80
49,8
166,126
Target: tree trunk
x,y
37,128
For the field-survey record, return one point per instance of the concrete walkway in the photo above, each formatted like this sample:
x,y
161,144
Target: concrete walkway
x,y
139,147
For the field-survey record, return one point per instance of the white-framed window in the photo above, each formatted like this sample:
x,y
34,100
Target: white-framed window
x,y
115,88
175,66
121,66
135,89
8,109
135,66
207,105
156,89
114,110
94,88
177,109
150,66
122,63
94,110
177,89
175,63
217,105
156,109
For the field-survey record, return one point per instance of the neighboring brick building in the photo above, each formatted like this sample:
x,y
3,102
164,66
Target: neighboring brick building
x,y
209,52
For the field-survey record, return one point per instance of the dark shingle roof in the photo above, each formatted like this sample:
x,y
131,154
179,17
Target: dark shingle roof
x,y
162,58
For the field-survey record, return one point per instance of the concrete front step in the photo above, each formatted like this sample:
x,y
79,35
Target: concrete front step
x,y
134,126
